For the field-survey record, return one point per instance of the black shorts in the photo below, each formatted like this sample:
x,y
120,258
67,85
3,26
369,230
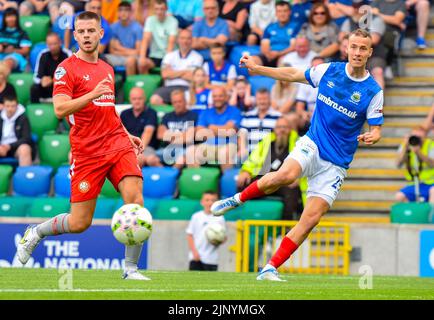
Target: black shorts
x,y
156,61
266,62
200,266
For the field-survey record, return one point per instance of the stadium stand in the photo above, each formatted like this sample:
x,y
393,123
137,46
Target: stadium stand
x,y
42,118
5,177
32,181
193,182
159,182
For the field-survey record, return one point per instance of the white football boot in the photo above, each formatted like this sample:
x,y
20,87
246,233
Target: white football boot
x,y
269,273
27,245
133,274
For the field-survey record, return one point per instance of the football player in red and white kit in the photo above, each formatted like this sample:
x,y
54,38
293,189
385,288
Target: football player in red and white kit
x,y
100,145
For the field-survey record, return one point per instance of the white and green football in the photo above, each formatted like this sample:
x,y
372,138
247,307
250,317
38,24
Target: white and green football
x,y
132,224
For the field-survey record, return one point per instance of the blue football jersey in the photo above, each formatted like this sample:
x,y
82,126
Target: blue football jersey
x,y
343,105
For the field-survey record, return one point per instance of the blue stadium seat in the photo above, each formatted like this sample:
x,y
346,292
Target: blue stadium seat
x,y
62,182
236,54
228,183
105,207
34,53
159,183
32,181
258,82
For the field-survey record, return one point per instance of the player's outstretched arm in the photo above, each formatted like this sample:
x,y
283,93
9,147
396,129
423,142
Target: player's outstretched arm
x,y
372,136
284,73
64,105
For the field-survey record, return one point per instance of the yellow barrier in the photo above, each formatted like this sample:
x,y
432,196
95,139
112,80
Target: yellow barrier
x,y
325,251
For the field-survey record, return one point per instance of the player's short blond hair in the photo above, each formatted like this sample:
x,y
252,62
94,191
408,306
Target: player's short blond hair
x,y
361,33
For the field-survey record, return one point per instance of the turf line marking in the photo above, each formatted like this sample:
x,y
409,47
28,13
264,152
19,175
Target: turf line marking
x,y
106,290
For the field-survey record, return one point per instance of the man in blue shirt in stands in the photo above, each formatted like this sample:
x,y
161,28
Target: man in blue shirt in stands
x,y
277,39
219,125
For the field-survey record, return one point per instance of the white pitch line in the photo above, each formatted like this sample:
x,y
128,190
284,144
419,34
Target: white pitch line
x,y
106,290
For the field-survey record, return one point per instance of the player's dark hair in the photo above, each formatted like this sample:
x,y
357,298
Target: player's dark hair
x,y
283,4
88,15
10,97
124,4
11,12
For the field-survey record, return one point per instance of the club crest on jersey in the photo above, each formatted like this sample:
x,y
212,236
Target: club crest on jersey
x,y
330,84
59,73
355,97
86,77
84,186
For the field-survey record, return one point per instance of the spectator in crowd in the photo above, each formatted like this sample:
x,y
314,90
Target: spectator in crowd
x,y
186,12
393,13
125,42
14,42
159,36
235,13
143,9
342,55
302,56
257,123
306,100
268,156
15,132
220,71
219,125
420,9
6,89
177,130
377,28
30,7
277,39
241,96
177,69
210,30
94,6
46,64
199,95
262,13
203,255
417,153
283,95
141,121
321,31
340,10
70,7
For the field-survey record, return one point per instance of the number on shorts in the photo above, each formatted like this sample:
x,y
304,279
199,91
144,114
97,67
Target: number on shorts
x,y
338,183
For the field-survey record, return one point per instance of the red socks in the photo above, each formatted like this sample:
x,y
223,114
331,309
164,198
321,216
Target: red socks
x,y
251,192
287,247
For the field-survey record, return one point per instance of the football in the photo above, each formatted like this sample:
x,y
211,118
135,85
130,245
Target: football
x,y
215,233
132,224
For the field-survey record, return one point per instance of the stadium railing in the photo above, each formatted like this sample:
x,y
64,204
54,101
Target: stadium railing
x,y
325,251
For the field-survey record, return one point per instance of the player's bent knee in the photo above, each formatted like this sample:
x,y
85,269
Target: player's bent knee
x,y
79,226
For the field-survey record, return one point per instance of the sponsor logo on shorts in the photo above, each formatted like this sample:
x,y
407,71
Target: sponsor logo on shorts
x,y
84,186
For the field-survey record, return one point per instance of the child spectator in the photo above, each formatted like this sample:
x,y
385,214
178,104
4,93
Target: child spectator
x,y
203,255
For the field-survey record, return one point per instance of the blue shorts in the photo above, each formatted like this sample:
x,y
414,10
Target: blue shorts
x,y
423,190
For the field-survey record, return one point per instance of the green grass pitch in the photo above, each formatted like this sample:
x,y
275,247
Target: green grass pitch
x,y
17,283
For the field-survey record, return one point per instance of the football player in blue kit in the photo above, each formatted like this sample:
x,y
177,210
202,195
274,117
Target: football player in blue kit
x,y
347,97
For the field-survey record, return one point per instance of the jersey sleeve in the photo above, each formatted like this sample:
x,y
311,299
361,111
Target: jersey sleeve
x,y
314,75
63,81
374,114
